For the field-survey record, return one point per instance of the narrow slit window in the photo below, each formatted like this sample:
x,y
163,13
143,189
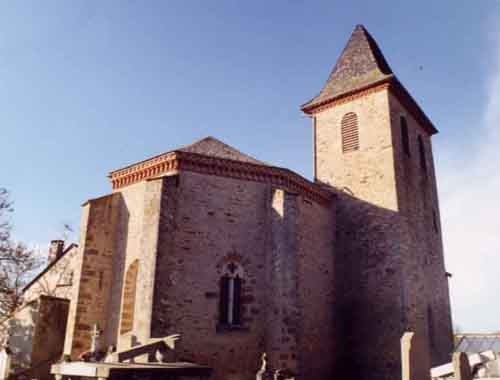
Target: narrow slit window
x,y
350,132
421,148
224,300
404,135
430,325
435,221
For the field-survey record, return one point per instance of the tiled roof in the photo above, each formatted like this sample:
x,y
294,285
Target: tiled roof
x,y
361,64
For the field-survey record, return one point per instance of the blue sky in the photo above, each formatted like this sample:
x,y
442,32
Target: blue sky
x,y
87,87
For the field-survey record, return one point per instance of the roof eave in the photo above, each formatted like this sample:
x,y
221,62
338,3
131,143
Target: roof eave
x,y
411,105
397,89
310,106
48,267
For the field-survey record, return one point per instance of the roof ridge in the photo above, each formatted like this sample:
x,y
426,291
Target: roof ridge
x,y
360,64
213,147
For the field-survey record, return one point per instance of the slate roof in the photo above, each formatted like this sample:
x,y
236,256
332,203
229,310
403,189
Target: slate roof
x,y
360,65
477,343
210,146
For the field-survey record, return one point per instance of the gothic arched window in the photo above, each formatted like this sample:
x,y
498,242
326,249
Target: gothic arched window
x,y
349,132
129,293
230,295
404,135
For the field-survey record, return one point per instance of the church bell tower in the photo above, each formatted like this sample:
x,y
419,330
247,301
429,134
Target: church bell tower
x,y
372,145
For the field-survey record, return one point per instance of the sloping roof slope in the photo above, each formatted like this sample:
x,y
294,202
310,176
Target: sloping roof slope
x,y
476,343
210,146
360,65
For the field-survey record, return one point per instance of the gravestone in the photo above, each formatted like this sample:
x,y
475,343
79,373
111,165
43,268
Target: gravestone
x,y
5,360
261,373
120,365
95,344
461,366
412,363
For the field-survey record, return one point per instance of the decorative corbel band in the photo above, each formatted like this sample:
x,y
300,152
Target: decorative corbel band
x,y
394,85
178,160
345,98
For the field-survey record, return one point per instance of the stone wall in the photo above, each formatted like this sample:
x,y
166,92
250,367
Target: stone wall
x,y
317,338
95,277
424,261
384,235
21,329
36,337
117,231
136,242
153,254
368,259
48,340
58,280
283,317
207,222
127,250
55,284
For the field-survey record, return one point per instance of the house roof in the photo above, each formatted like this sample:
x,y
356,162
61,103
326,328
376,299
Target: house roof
x,y
49,266
362,66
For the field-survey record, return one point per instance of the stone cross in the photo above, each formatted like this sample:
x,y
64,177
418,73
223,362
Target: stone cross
x,y
95,335
262,370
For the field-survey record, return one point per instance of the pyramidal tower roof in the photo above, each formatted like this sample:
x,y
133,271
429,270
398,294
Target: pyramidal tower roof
x,y
360,65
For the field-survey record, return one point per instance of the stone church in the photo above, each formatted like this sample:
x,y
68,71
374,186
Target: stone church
x,y
241,257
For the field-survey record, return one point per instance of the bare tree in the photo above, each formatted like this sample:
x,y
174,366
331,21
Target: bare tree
x,y
17,262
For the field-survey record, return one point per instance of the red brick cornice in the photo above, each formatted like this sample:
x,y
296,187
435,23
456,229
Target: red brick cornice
x,y
346,97
176,161
391,83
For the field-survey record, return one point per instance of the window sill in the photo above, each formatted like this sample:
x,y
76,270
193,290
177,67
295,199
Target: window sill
x,y
223,328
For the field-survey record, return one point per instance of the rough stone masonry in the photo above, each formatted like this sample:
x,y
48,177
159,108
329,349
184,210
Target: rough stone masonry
x,y
243,258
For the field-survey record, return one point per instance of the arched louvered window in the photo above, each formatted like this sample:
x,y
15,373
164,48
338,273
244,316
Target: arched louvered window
x,y
350,132
404,135
230,295
421,148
